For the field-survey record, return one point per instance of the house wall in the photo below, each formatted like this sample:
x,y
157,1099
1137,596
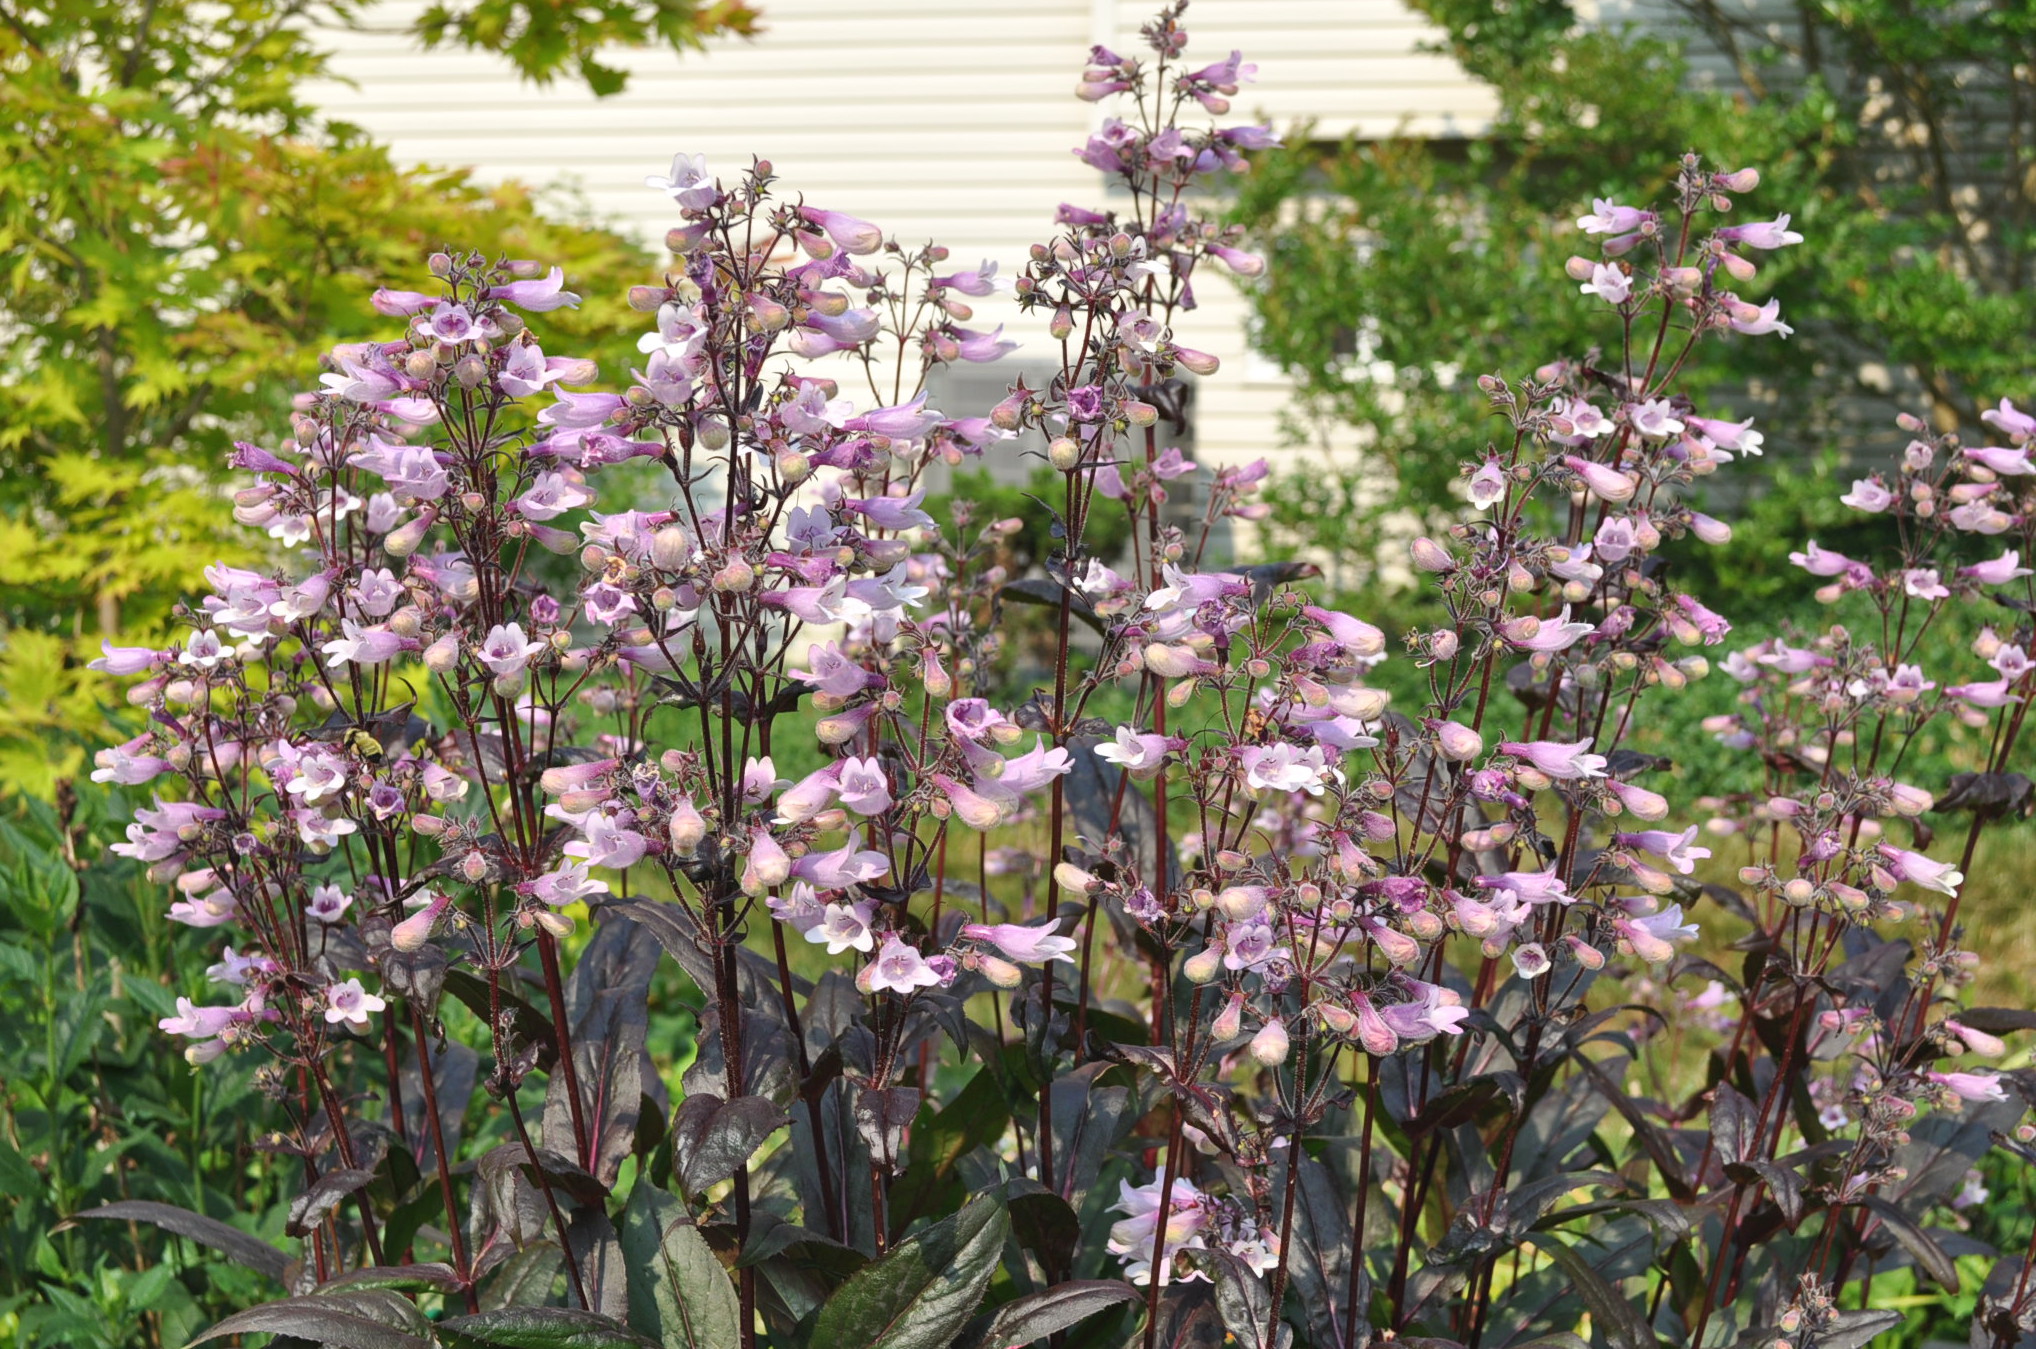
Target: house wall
x,y
937,119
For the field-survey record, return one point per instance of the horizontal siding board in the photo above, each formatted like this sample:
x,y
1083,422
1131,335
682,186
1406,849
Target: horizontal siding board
x,y
936,120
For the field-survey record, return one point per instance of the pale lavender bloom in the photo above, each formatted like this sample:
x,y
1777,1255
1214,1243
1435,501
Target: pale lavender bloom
x,y
551,495
539,295
2006,462
1765,234
316,774
1868,494
377,591
1609,283
1134,752
203,650
1822,561
893,512
199,1023
1971,1086
125,660
1284,768
453,323
1652,937
608,841
328,904
352,1004
360,645
1654,418
506,650
1431,1010
850,864
899,968
1531,960
2003,569
1529,887
2009,420
127,765
1722,435
833,673
1249,945
864,787
569,883
1923,584
848,233
1558,759
690,185
1026,945
1614,542
1608,217
1133,1239
1752,321
844,927
1487,485
801,910
1676,849
1943,877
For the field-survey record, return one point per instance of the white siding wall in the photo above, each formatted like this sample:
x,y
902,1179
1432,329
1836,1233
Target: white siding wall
x,y
938,119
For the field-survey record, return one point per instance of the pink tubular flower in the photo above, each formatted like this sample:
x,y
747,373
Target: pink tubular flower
x,y
1914,867
1605,482
849,234
1133,1239
1678,850
1556,758
2008,463
1359,639
1608,217
540,295
2003,569
1821,561
1140,754
2009,421
1971,1086
1653,938
125,660
1034,945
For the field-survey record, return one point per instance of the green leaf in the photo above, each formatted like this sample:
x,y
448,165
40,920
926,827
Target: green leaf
x,y
978,1114
367,1319
679,1294
924,1290
1619,1321
251,1251
1930,1257
1038,1315
537,1328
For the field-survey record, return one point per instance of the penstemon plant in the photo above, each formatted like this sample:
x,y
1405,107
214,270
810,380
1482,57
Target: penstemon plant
x,y
1186,989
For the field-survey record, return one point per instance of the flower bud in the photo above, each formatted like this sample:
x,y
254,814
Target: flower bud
x,y
1229,1022
1064,454
1204,965
1458,743
1139,413
671,548
713,433
1431,556
735,578
1073,879
1242,902
1000,972
1269,1047
442,655
404,541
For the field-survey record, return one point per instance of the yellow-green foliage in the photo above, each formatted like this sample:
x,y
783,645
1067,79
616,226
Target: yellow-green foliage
x,y
180,240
